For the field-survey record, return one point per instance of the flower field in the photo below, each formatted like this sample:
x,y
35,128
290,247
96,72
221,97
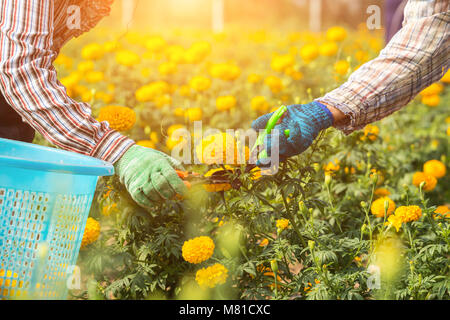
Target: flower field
x,y
364,216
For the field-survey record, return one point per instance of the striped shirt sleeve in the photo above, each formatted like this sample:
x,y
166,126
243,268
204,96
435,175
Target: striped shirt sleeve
x,y
30,85
417,56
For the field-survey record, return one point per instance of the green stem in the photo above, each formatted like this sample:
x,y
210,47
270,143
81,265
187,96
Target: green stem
x,y
291,218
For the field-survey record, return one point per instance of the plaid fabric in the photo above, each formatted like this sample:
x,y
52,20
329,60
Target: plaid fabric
x,y
31,33
417,56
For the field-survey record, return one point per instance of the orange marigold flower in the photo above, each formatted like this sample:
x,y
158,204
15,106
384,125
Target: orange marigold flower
x,y
378,209
91,232
435,168
119,118
220,186
282,224
430,181
382,192
212,276
198,249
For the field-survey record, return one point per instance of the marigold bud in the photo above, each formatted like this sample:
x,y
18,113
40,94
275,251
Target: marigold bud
x,y
274,265
327,179
311,244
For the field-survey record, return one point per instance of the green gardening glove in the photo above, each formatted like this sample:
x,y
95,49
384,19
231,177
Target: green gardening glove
x,y
149,175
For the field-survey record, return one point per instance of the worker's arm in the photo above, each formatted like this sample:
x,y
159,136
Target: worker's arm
x,y
30,85
417,56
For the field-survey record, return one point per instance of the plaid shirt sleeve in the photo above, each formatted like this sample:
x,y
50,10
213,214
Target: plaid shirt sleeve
x,y
417,56
30,85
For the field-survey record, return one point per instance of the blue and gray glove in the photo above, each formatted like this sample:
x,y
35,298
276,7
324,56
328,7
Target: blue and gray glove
x,y
303,122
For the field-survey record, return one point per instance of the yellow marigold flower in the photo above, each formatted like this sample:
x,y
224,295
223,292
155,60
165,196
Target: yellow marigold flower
x,y
105,97
155,44
256,173
200,83
431,101
433,90
163,100
92,51
225,71
332,166
448,130
442,212
341,67
435,167
362,56
382,192
167,68
220,149
194,114
254,78
377,207
154,137
309,52
221,221
446,77
171,142
264,242
91,232
64,61
197,52
282,224
110,46
328,49
350,170
395,221
150,91
212,276
108,209
217,187
225,103
274,83
260,104
430,181
119,118
127,58
336,34
179,112
294,74
408,213
87,96
94,76
85,66
281,63
174,127
371,132
198,249
146,143
378,175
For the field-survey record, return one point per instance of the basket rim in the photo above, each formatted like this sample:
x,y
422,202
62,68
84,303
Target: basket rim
x,y
72,163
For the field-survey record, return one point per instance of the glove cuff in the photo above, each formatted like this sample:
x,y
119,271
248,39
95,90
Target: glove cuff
x,y
122,163
320,113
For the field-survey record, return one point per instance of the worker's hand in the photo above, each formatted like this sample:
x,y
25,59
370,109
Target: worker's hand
x,y
302,122
149,175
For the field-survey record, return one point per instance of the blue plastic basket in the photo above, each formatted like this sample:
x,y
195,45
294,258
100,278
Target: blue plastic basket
x,y
45,197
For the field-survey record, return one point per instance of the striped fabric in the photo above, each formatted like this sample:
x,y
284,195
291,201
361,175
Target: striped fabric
x,y
31,35
416,56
